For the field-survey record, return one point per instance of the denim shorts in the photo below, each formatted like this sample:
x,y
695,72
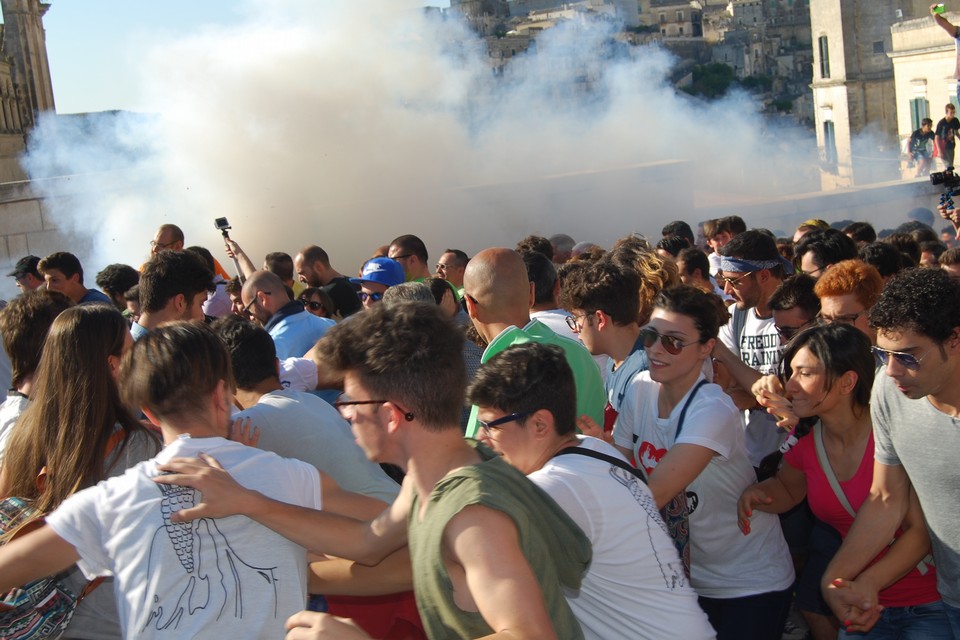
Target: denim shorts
x,y
920,622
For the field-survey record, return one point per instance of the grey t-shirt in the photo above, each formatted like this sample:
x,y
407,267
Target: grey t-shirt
x,y
299,425
925,441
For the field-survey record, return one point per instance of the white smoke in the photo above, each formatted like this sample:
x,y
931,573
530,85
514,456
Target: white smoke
x,y
347,123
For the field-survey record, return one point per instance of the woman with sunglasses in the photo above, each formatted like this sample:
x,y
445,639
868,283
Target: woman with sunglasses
x,y
687,435
318,302
828,373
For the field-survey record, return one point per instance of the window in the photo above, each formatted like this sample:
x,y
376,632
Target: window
x,y
919,109
829,144
824,59
878,46
681,30
663,18
679,16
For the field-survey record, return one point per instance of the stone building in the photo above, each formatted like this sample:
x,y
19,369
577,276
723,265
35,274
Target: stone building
x,y
855,107
675,18
25,86
923,59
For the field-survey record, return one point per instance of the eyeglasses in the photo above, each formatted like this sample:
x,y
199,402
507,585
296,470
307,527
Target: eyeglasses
x,y
573,324
672,345
443,267
906,360
312,305
376,297
787,333
249,305
161,245
733,282
848,318
810,273
343,401
494,424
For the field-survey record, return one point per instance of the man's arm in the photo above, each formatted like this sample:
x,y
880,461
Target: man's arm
x,y
876,521
742,374
234,251
336,576
485,543
38,554
321,531
943,22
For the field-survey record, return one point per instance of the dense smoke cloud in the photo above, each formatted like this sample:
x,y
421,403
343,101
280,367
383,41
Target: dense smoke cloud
x,y
348,123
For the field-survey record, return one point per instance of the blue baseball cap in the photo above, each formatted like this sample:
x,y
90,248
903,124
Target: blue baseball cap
x,y
385,271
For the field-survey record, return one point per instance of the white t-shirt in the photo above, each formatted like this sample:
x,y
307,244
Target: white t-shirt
x,y
294,424
635,587
759,347
724,563
10,411
298,374
213,578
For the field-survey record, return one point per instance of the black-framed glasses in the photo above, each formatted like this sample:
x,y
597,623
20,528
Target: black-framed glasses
x,y
496,424
572,322
906,360
733,282
787,333
161,245
672,345
249,305
376,297
847,318
343,401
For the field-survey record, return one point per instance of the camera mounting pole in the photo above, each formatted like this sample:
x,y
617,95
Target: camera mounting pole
x,y
224,227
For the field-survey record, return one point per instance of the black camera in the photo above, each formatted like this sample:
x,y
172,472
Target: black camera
x,y
951,184
222,225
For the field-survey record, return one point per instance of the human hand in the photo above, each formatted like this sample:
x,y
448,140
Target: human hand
x,y
243,431
232,248
769,383
589,427
749,499
310,625
855,603
221,495
779,407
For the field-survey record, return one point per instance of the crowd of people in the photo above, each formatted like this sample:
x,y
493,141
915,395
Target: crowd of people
x,y
716,434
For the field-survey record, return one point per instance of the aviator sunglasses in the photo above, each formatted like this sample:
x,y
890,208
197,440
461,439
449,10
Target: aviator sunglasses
x,y
672,345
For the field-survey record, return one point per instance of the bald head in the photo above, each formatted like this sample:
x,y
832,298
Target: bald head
x,y
264,294
497,280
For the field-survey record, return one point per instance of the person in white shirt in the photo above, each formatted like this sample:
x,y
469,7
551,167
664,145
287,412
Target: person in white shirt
x,y
216,577
688,436
635,586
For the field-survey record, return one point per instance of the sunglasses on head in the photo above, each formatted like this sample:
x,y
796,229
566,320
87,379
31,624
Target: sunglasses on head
x,y
905,360
376,297
672,345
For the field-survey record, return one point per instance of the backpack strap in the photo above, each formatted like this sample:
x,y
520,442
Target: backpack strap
x,y
605,458
683,411
739,324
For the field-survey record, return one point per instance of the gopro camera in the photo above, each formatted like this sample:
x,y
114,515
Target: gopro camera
x,y
222,224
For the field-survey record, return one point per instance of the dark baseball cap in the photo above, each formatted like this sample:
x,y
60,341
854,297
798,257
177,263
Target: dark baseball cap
x,y
25,266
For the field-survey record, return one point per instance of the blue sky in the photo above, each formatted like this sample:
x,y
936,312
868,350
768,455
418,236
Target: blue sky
x,y
94,46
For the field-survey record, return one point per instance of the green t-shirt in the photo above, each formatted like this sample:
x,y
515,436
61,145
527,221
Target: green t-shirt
x,y
591,397
556,549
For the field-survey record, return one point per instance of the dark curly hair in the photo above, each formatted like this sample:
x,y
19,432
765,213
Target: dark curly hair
x,y
925,301
526,378
407,352
604,286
